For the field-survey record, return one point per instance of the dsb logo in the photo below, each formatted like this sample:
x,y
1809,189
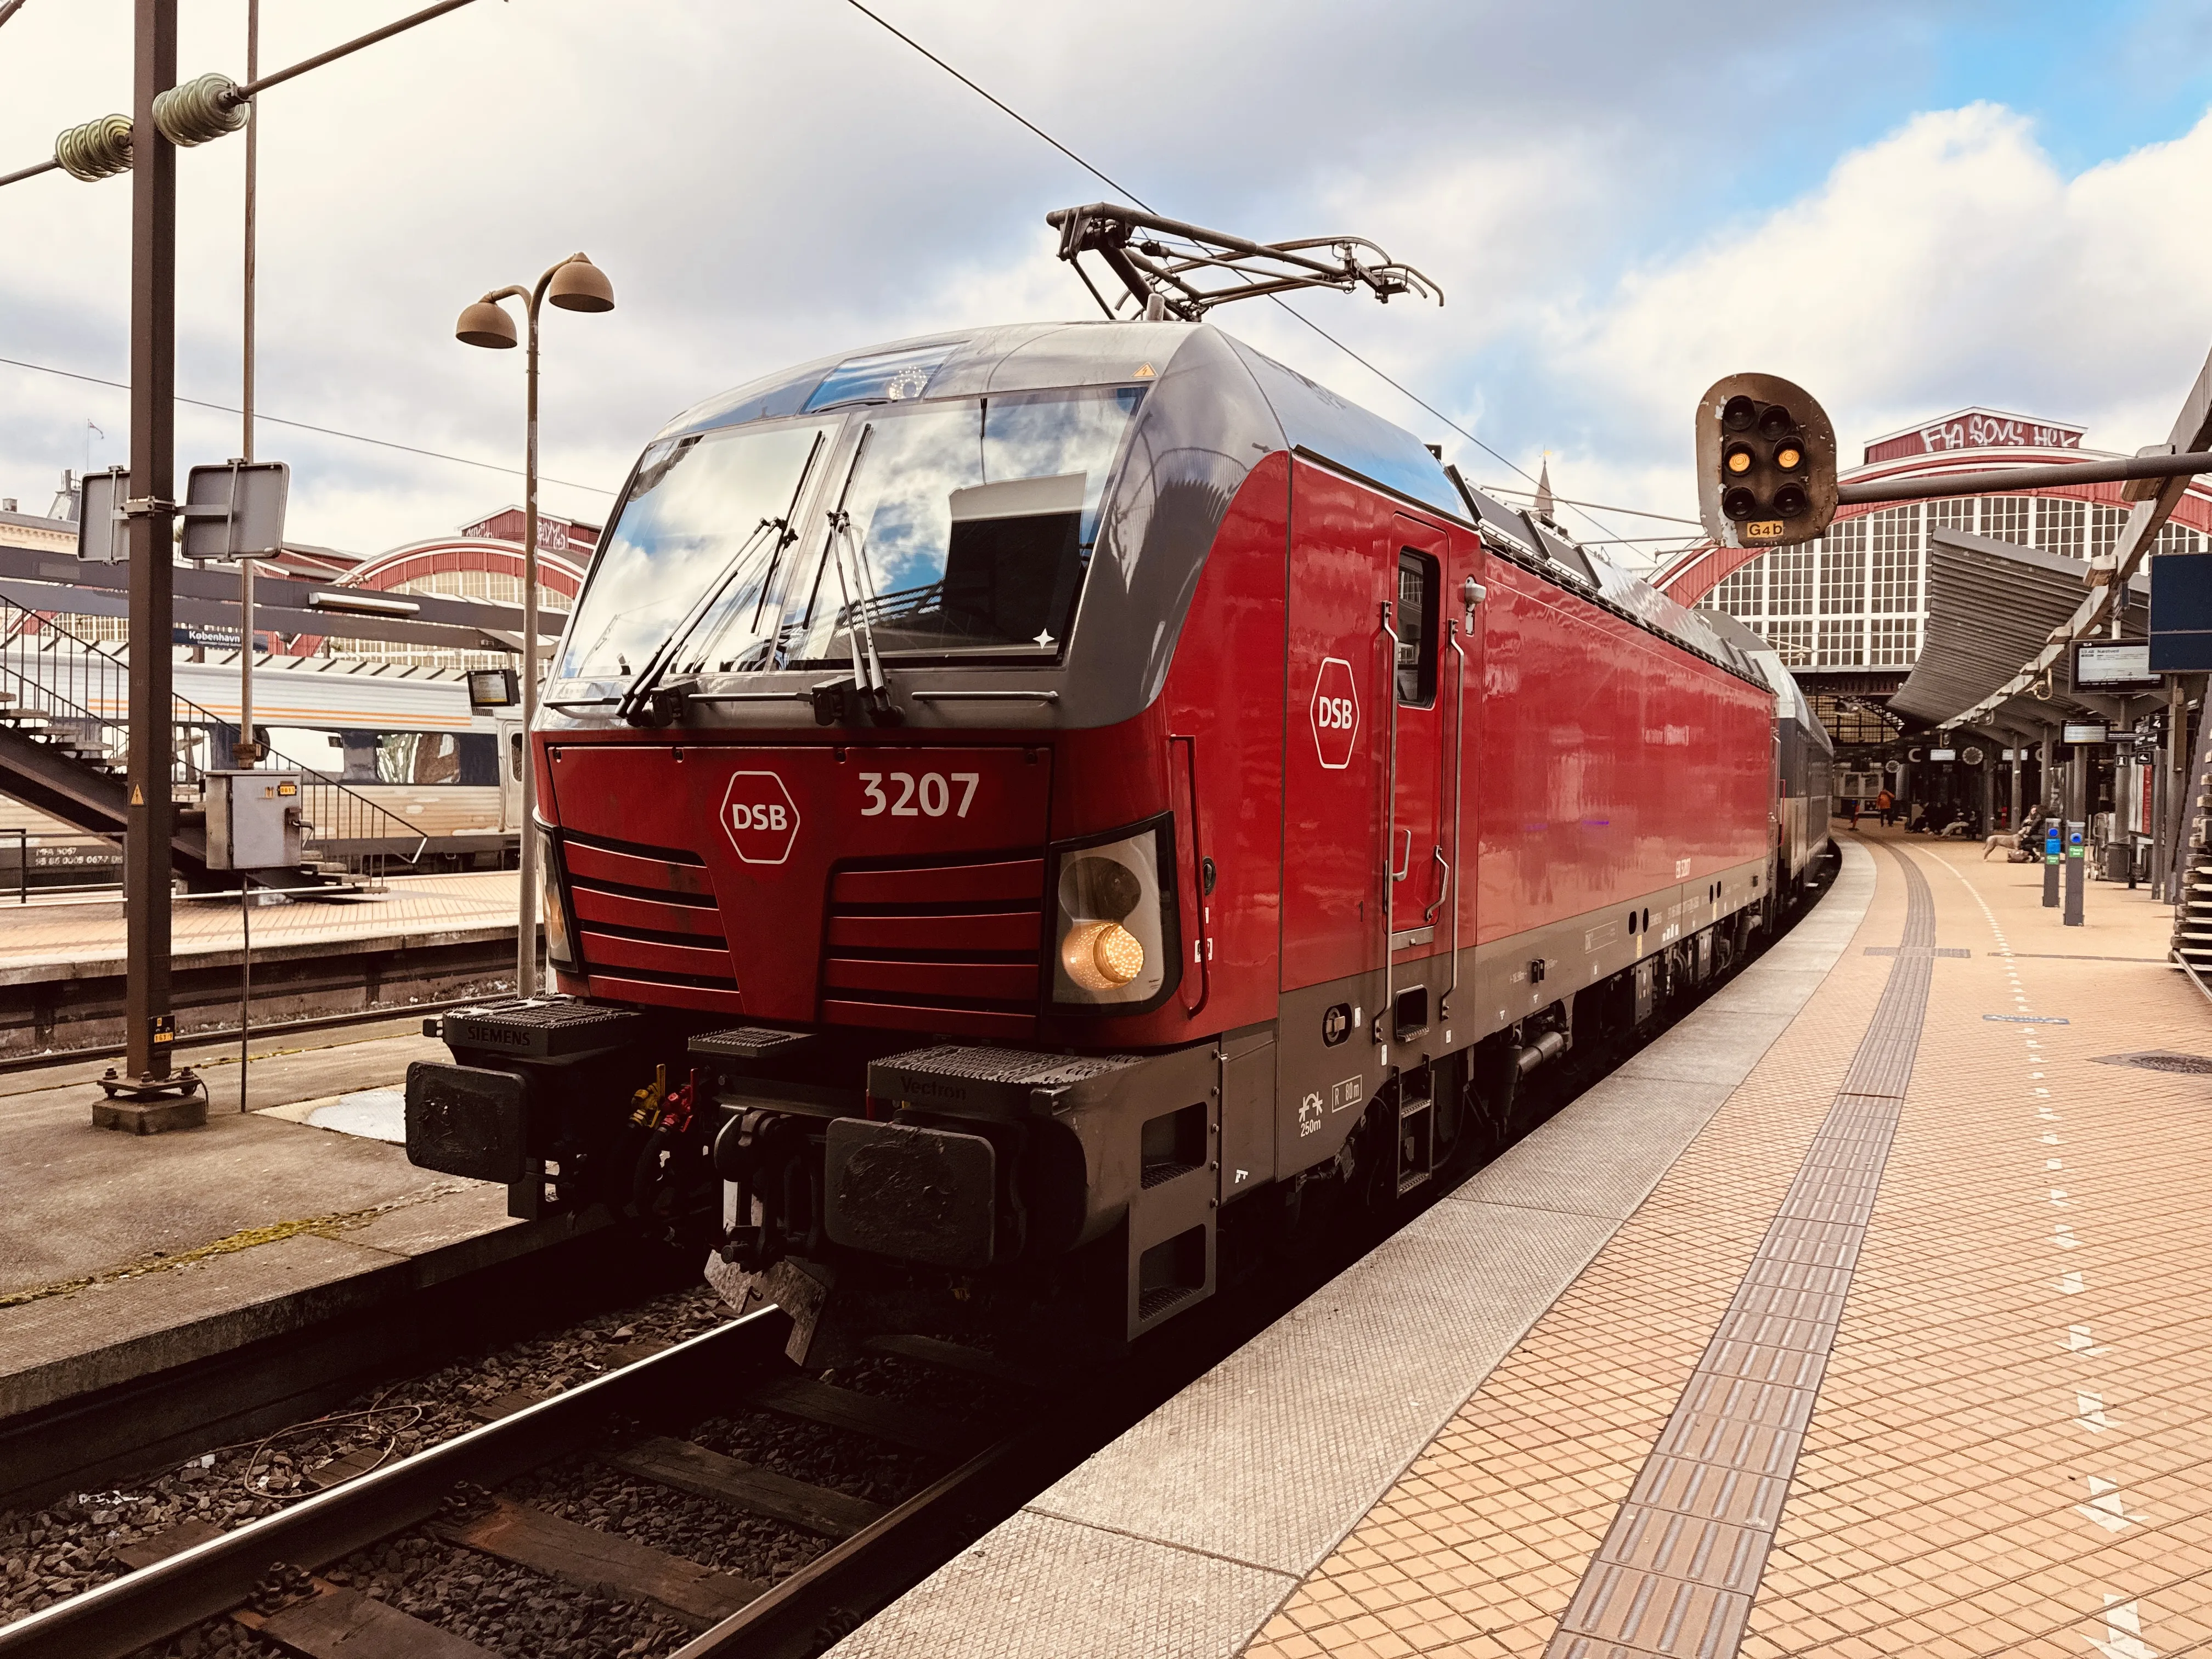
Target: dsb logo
x,y
759,817
1336,713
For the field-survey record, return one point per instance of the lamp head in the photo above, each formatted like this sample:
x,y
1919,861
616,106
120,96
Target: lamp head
x,y
486,323
579,285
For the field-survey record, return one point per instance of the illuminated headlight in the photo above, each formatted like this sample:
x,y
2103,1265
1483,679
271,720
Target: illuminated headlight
x,y
1114,930
552,901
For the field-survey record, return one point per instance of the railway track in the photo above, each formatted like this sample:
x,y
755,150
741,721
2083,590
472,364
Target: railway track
x,y
265,1574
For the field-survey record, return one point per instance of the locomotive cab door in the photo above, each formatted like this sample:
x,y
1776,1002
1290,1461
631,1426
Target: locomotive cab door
x,y
1368,894
1421,877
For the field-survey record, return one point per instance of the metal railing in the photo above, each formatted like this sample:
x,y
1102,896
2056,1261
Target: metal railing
x,y
78,692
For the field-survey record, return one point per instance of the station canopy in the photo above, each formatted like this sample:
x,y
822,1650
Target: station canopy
x,y
1992,606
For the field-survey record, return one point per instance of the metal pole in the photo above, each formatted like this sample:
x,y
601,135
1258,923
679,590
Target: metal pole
x,y
2180,787
2054,827
2013,746
2077,824
245,398
246,566
149,1032
2157,762
526,940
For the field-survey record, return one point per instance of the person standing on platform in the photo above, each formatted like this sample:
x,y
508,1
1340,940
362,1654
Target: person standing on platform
x,y
1855,800
1886,804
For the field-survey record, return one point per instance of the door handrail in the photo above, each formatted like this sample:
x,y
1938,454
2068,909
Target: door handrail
x,y
1386,1013
1197,878
1459,774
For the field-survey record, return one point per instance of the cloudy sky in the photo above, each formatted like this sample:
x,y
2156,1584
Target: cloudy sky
x,y
1906,207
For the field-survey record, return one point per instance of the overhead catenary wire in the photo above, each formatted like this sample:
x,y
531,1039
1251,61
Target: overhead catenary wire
x,y
1099,173
1602,506
304,426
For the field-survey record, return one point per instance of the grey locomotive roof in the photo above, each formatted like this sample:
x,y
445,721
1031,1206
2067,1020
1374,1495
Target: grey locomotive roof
x,y
1311,418
1755,648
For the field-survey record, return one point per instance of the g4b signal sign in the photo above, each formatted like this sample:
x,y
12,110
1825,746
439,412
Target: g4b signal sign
x,y
1766,462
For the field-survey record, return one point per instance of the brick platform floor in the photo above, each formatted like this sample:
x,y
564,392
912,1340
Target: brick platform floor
x,y
2011,1450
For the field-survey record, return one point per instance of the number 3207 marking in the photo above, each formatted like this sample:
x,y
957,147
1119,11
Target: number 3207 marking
x,y
925,797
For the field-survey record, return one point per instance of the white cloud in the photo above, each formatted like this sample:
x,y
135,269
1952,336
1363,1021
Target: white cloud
x,y
768,183
1950,264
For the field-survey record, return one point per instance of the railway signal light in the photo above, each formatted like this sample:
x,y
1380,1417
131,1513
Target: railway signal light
x,y
1766,463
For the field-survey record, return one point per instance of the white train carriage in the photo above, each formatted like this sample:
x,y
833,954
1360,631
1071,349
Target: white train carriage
x,y
406,739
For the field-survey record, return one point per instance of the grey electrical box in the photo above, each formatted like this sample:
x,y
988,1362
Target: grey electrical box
x,y
253,820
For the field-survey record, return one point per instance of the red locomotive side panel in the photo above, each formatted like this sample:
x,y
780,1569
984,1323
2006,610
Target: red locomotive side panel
x,y
1614,765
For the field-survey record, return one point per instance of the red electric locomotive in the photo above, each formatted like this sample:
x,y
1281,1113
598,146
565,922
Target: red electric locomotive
x,y
1022,805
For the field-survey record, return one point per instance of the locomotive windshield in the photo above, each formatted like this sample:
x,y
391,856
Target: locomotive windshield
x,y
958,526
695,546
964,525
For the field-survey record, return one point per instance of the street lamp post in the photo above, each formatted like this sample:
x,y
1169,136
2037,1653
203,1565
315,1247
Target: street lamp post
x,y
574,284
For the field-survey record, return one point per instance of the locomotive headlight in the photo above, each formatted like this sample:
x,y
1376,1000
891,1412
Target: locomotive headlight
x,y
553,901
1116,936
1102,955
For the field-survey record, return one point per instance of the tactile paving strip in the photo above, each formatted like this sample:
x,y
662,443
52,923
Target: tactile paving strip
x,y
1676,1574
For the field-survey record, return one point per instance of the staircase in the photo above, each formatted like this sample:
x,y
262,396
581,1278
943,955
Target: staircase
x,y
65,712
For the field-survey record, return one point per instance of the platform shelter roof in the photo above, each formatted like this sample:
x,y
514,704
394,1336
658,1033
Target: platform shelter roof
x,y
1991,606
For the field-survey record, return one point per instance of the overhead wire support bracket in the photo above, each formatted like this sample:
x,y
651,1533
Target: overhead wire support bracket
x,y
194,111
1171,269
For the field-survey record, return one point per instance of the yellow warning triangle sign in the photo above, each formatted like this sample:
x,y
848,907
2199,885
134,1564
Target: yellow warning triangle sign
x,y
137,796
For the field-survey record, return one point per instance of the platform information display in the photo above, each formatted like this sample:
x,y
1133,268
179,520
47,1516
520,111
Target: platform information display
x,y
2112,665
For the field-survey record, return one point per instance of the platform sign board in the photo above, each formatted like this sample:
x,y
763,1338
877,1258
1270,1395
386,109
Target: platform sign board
x,y
1943,754
2113,666
494,687
99,521
2180,613
2084,732
236,510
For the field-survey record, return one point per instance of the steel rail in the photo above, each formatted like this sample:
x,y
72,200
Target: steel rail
x,y
156,1602
833,1593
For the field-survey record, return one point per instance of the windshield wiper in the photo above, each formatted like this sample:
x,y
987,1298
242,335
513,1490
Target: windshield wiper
x,y
869,691
636,705
636,700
